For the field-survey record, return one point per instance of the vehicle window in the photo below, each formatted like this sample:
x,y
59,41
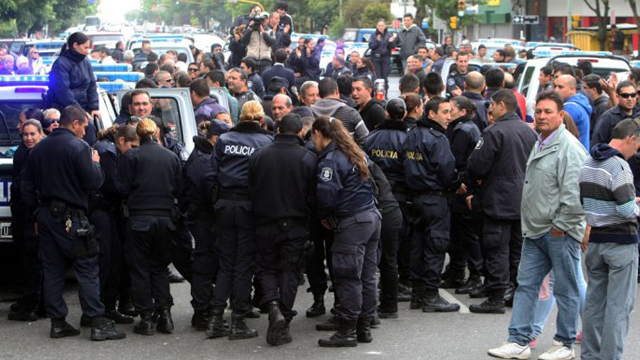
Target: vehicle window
x,y
526,80
9,115
168,110
15,47
350,35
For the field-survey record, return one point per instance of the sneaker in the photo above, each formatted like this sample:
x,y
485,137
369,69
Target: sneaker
x,y
511,351
533,344
579,339
558,352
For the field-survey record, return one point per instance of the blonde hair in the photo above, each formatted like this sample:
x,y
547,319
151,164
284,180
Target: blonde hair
x,y
146,128
252,111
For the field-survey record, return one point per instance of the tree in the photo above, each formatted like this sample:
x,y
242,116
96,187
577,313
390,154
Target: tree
x,y
374,12
601,9
634,9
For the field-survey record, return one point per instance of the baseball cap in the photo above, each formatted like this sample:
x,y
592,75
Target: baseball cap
x,y
218,128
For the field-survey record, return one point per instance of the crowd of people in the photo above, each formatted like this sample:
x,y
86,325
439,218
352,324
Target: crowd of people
x,y
304,173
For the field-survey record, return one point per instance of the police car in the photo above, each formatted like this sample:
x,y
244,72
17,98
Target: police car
x,y
161,45
328,50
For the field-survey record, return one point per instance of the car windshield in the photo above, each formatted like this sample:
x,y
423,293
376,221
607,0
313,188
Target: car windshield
x,y
350,35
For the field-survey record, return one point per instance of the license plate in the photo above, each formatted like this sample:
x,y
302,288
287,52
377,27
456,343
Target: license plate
x,y
5,231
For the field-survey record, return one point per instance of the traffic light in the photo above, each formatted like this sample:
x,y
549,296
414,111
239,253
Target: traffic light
x,y
576,21
461,5
453,22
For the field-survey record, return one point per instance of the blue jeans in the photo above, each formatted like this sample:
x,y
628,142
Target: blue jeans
x,y
538,258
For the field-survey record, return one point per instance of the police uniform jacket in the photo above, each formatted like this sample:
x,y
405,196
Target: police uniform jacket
x,y
194,194
19,161
312,64
151,177
109,158
455,79
207,110
229,165
282,180
384,147
373,114
176,147
383,47
463,136
60,168
429,165
481,109
385,200
605,124
71,82
341,190
499,160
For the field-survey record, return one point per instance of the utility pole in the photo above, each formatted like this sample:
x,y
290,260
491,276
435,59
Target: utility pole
x,y
340,9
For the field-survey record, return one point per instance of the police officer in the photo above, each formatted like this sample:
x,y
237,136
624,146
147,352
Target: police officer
x,y
199,218
60,174
384,147
228,169
463,135
103,207
455,81
499,160
346,205
282,183
431,174
151,178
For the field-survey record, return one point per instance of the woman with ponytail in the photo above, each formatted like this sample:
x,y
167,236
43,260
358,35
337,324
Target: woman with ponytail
x,y
71,80
415,108
346,205
151,179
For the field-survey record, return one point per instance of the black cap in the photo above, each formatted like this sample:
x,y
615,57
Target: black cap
x,y
302,111
218,128
396,108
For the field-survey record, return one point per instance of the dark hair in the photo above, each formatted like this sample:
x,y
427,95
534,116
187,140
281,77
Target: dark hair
x,y
345,84
481,46
290,124
72,113
282,6
215,45
553,96
409,15
463,103
501,52
137,92
564,68
434,104
150,69
280,56
507,97
104,50
216,76
249,63
626,128
200,87
593,81
152,57
624,84
182,57
243,74
412,101
494,78
369,65
396,108
547,70
75,38
433,84
409,83
327,87
208,63
462,53
33,113
332,128
365,81
634,74
146,84
127,132
586,67
182,79
168,68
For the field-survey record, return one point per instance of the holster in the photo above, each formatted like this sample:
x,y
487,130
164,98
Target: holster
x,y
125,210
307,252
86,243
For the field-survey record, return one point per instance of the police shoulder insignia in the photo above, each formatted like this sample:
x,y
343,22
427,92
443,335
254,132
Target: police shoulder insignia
x,y
479,143
326,174
451,82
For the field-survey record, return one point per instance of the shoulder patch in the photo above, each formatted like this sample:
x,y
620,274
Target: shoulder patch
x,y
451,82
326,174
479,143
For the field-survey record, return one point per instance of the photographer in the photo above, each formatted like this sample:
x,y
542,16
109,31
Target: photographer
x,y
237,48
258,42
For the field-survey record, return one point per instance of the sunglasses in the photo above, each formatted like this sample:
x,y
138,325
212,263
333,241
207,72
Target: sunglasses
x,y
193,70
169,80
627,95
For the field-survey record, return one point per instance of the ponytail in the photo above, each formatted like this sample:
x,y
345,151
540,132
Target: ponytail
x,y
332,128
146,129
108,132
464,103
75,38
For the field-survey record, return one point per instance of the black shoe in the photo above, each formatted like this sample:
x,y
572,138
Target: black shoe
x,y
60,328
375,322
85,321
175,278
301,279
509,294
128,309
489,306
479,293
23,315
383,314
145,326
216,327
285,336
105,329
252,314
332,324
15,307
317,308
155,316
436,303
200,319
452,282
417,295
363,330
404,293
276,324
165,322
344,337
239,329
473,282
118,317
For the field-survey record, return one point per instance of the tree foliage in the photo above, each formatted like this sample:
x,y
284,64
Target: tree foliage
x,y
374,12
33,15
601,9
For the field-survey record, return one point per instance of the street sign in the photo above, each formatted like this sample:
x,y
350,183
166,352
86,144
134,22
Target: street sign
x,y
525,19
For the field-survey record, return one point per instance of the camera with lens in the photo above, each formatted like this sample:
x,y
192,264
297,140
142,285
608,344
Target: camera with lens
x,y
257,21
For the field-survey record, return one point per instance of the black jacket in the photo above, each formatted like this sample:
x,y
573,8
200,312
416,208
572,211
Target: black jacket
x,y
256,84
71,82
382,190
195,196
118,55
60,168
463,136
282,180
500,160
382,48
281,71
20,158
481,109
151,177
600,106
428,162
384,147
607,121
109,158
238,52
373,114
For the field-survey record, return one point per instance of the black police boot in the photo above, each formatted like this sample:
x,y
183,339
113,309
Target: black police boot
x,y
85,321
174,278
216,327
145,326
509,294
433,302
118,317
165,322
239,329
285,336
276,324
127,308
417,295
60,328
473,282
332,324
455,279
317,308
23,314
384,314
363,330
18,305
344,337
200,319
404,293
254,313
105,329
492,305
479,292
